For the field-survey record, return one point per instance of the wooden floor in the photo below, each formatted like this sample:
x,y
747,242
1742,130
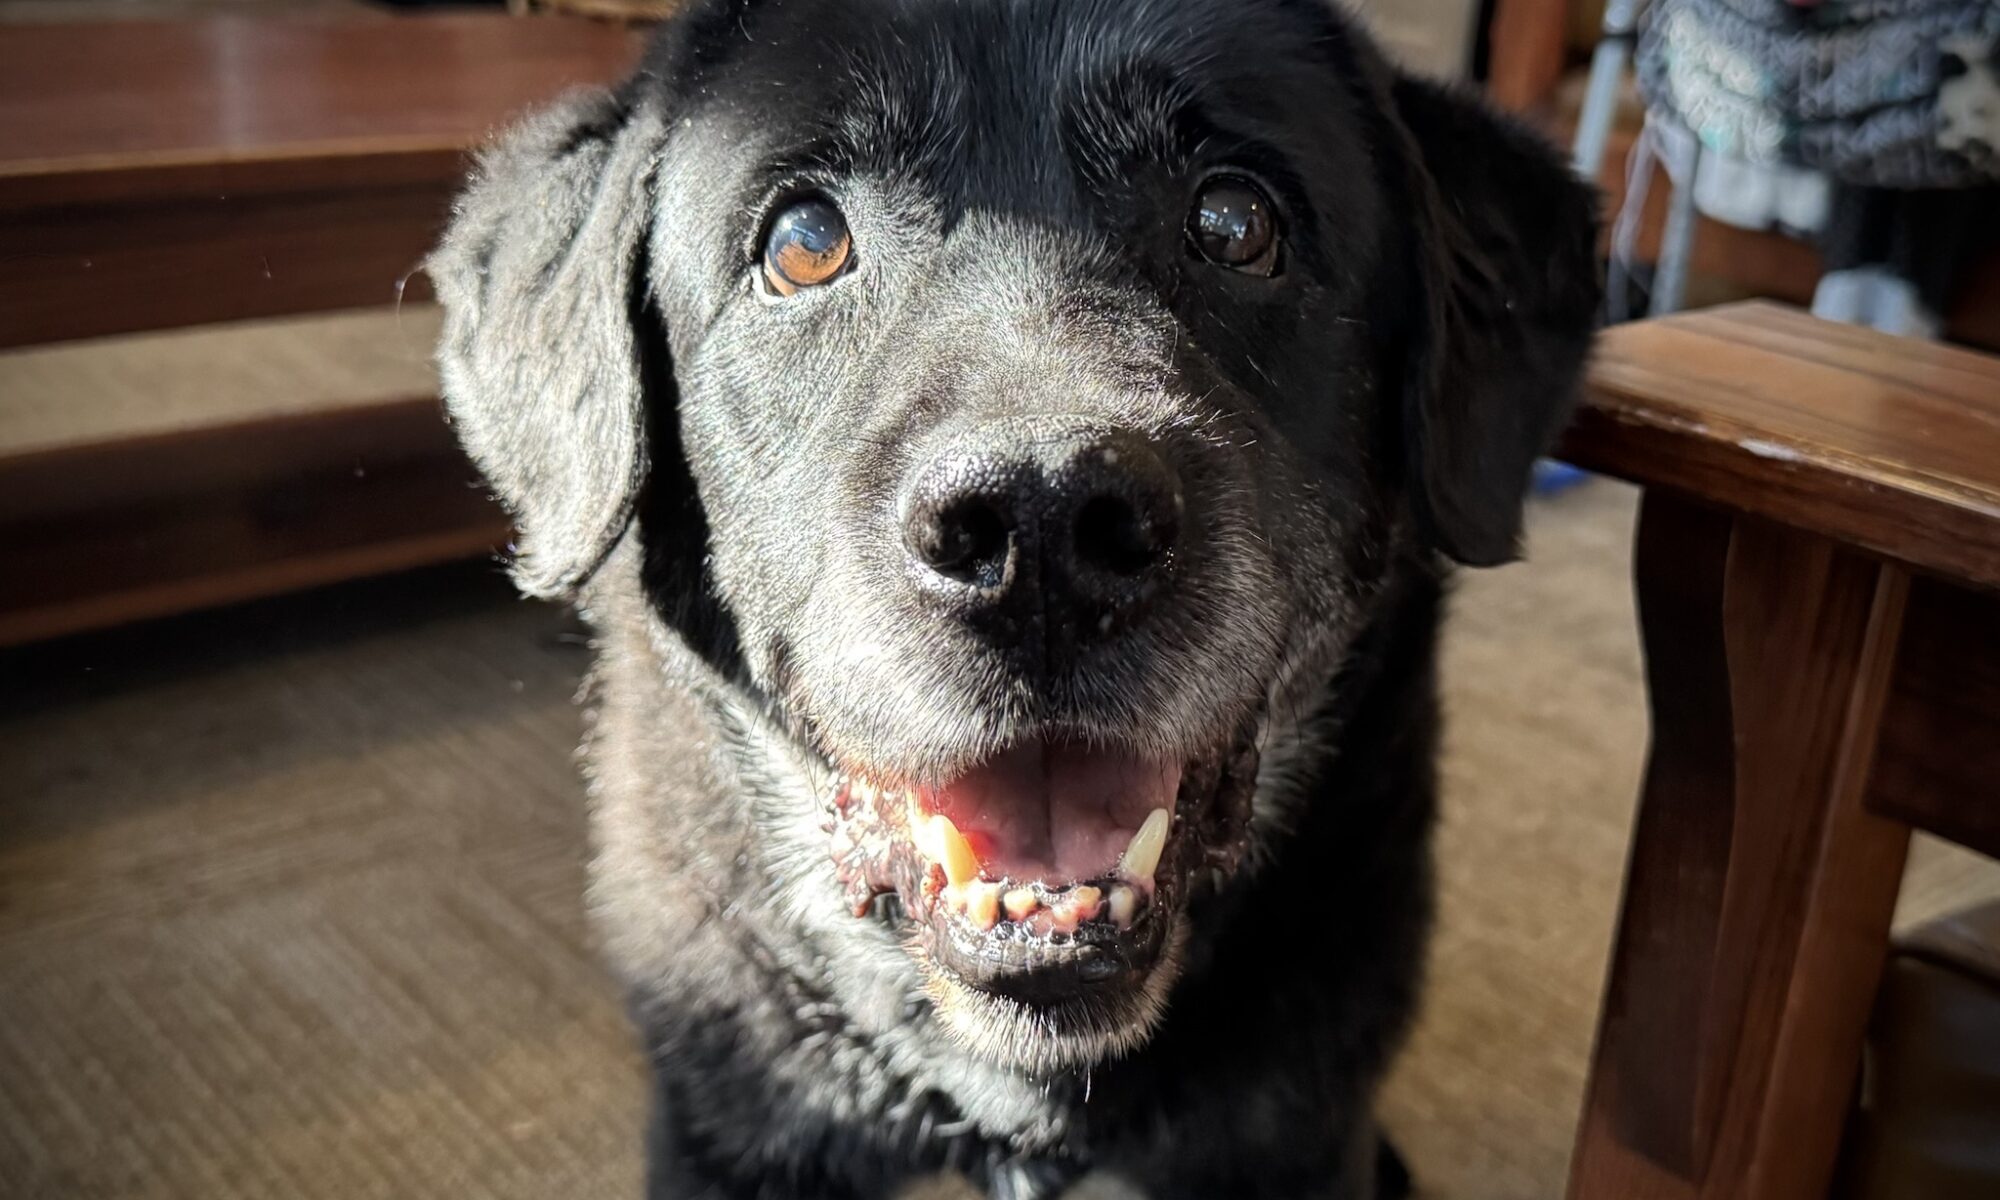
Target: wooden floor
x,y
290,896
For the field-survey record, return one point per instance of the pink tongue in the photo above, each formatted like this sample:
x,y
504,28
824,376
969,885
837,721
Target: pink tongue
x,y
1056,813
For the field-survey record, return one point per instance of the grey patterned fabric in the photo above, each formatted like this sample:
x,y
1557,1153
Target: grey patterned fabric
x,y
1888,93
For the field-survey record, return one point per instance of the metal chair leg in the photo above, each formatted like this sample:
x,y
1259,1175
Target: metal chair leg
x,y
1676,239
1600,100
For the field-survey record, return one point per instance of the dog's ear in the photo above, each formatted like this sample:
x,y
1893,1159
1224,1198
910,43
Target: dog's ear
x,y
538,276
1506,265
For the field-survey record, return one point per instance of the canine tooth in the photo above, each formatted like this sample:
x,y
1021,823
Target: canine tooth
x,y
982,903
951,851
1124,906
1020,904
924,833
1142,856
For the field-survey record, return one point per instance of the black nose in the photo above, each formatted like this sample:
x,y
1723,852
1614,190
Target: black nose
x,y
1080,530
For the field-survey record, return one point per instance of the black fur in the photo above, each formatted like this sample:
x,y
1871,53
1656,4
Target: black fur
x,y
714,476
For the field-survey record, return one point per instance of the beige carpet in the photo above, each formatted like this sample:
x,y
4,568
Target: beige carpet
x,y
289,896
146,384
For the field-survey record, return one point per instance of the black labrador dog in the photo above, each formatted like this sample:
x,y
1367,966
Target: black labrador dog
x,y
1011,453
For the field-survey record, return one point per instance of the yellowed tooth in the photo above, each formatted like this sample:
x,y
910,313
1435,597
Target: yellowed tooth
x,y
982,903
1020,904
951,851
1074,907
1084,902
1142,856
1124,906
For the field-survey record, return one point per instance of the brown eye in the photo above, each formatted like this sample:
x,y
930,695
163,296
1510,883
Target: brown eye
x,y
1232,225
808,245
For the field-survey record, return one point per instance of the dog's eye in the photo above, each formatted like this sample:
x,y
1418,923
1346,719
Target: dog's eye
x,y
808,245
1232,225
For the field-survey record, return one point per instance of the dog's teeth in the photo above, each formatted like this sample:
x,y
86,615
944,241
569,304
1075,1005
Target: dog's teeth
x,y
1085,902
1142,857
978,901
1124,906
982,903
1020,904
1075,907
949,849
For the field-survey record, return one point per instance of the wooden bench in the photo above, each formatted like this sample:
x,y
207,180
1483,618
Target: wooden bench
x,y
1818,575
208,175
166,173
155,473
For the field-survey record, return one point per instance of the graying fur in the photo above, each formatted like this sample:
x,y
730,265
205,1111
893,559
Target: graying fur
x,y
714,477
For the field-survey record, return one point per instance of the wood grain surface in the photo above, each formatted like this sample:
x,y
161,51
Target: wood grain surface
x,y
1884,443
163,174
107,98
104,534
157,473
1938,767
1760,891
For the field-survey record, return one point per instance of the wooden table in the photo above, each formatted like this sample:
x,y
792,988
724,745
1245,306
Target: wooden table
x,y
1818,574
157,174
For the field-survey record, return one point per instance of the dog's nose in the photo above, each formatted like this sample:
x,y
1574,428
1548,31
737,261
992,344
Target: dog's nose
x,y
1080,530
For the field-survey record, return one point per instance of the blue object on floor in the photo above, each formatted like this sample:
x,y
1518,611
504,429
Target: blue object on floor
x,y
1552,477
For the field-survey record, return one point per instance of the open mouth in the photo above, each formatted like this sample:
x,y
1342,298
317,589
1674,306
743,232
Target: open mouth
x,y
1050,871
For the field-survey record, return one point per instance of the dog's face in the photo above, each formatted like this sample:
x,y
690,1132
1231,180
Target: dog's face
x,y
1021,401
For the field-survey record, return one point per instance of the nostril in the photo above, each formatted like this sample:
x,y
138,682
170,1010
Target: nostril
x,y
965,541
1009,526
1113,536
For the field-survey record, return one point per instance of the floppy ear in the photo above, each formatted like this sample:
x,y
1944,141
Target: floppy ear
x,y
538,275
1507,298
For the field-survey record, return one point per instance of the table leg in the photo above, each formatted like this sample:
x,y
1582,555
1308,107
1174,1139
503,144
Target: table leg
x,y
1760,890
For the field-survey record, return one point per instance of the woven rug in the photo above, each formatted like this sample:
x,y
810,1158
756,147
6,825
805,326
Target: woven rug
x,y
290,895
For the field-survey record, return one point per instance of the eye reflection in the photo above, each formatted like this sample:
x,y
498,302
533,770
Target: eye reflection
x,y
1232,225
808,245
